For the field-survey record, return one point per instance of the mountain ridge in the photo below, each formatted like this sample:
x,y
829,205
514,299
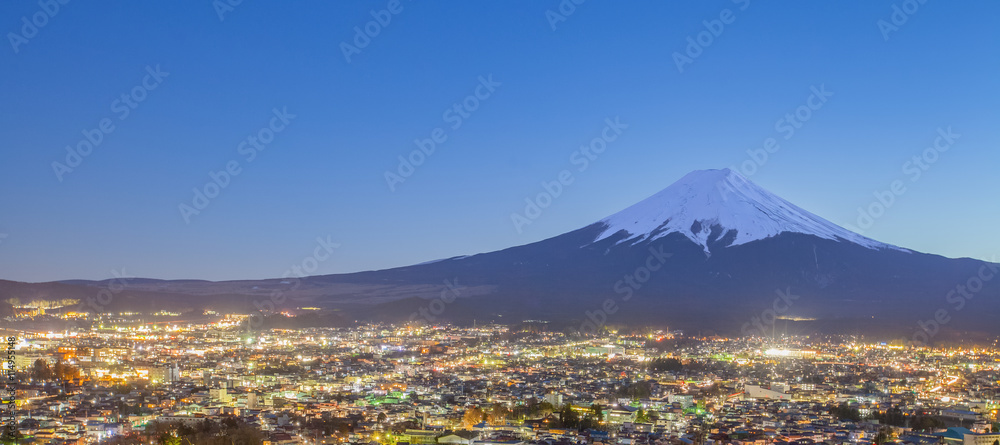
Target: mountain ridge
x,y
731,245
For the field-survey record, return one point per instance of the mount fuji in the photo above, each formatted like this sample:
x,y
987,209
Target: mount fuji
x,y
712,206
713,252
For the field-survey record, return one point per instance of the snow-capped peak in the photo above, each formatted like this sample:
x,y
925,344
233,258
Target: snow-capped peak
x,y
703,199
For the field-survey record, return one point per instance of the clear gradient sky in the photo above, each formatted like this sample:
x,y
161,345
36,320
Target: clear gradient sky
x,y
324,173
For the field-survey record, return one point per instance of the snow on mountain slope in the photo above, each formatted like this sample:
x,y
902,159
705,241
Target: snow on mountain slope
x,y
705,198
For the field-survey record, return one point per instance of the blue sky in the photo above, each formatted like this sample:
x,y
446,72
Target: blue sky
x,y
323,174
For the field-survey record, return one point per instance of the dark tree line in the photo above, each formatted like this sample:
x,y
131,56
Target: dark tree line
x,y
571,419
637,390
228,431
666,365
40,370
893,416
846,412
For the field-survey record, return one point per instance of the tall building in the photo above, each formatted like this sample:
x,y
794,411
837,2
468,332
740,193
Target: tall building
x,y
554,398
